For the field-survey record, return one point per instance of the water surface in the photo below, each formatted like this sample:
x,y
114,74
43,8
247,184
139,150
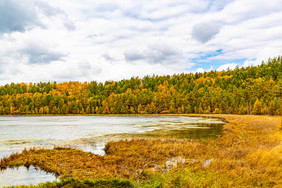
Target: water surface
x,y
89,133
22,176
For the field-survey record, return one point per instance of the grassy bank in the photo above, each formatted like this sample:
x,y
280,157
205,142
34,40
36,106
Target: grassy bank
x,y
247,154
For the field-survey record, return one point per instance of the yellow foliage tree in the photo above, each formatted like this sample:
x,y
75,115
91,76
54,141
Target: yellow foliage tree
x,y
257,108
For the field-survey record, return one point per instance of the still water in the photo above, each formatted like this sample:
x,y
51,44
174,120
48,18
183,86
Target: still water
x,y
90,133
22,176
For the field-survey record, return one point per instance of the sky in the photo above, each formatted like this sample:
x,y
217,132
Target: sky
x,y
74,40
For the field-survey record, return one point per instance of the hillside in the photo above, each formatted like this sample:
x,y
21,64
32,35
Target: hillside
x,y
250,90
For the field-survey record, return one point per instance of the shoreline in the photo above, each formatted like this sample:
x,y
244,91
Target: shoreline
x,y
247,153
220,116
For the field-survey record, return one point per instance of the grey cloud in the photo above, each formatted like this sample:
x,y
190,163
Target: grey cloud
x,y
16,16
205,31
19,16
132,55
154,54
41,55
108,57
69,25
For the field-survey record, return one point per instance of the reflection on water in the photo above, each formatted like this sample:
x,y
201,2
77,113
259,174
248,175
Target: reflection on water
x,y
24,176
198,131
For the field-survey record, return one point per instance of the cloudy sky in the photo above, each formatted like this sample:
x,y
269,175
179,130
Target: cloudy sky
x,y
63,40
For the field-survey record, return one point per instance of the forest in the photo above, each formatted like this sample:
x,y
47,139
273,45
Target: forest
x,y
247,90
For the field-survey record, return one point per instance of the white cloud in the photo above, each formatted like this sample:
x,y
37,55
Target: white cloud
x,y
262,55
101,40
225,67
200,70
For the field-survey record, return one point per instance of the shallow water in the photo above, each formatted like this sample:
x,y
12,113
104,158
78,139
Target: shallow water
x,y
22,176
88,133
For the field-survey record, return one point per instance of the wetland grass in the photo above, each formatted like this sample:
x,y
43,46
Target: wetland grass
x,y
247,154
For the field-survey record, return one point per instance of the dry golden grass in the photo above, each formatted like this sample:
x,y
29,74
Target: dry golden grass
x,y
247,154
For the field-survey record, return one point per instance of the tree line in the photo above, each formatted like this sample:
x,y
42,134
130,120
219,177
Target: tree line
x,y
246,90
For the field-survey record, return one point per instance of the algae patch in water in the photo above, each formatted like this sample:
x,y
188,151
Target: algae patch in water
x,y
11,142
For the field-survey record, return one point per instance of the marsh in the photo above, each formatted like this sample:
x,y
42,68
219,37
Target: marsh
x,y
91,133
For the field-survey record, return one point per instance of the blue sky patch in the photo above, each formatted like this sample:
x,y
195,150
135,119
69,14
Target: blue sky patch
x,y
217,63
205,55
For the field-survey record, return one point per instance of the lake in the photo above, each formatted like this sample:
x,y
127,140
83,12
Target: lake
x,y
91,133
